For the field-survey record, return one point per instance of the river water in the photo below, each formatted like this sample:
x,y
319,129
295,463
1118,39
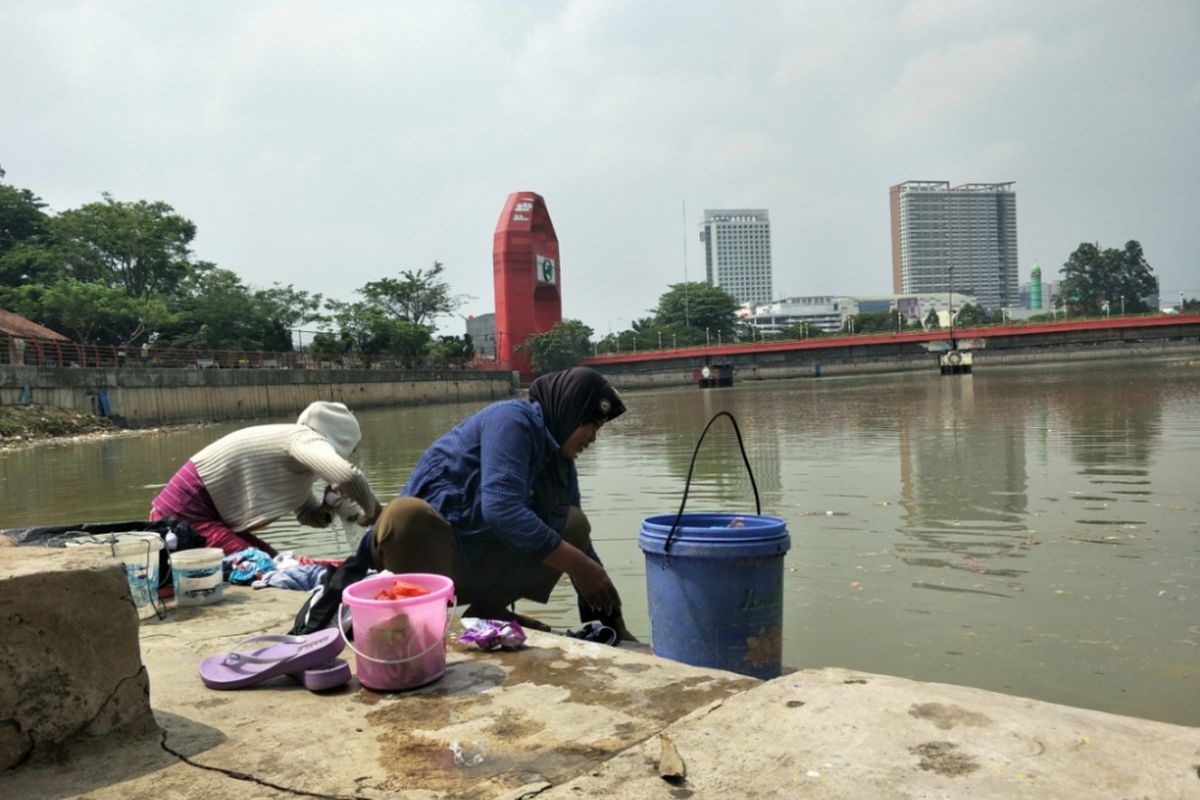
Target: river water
x,y
1034,531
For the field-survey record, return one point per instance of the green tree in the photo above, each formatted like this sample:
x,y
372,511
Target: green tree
x,y
141,247
87,312
800,330
1092,277
419,297
871,322
561,347
24,228
454,349
698,307
932,323
368,329
21,216
972,314
1191,305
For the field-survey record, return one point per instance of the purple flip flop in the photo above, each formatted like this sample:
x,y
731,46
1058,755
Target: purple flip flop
x,y
284,655
323,677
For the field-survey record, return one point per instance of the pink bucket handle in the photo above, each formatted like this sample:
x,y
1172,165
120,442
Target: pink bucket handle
x,y
450,612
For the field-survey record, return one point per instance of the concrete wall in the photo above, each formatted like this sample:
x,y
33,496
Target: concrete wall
x,y
140,397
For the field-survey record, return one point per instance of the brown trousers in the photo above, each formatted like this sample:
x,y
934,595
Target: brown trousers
x,y
410,536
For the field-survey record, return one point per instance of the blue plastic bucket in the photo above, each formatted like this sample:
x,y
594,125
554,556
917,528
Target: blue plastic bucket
x,y
716,592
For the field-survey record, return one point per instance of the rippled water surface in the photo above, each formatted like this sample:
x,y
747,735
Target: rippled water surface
x,y
1033,531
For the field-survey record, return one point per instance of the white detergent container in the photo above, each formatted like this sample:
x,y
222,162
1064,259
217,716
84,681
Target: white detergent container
x,y
197,576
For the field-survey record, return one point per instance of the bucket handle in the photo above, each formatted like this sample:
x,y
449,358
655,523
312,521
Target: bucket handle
x,y
687,486
440,640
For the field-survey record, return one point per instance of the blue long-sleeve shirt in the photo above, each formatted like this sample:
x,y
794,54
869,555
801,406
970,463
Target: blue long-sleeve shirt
x,y
479,476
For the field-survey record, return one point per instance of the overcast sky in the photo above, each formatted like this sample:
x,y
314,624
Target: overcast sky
x,y
330,144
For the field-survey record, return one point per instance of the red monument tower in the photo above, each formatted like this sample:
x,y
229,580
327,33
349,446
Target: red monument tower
x,y
526,274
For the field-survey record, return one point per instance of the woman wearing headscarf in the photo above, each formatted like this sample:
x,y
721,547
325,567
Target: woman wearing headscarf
x,y
495,505
251,477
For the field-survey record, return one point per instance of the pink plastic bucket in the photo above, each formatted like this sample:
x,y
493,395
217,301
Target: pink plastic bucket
x,y
399,644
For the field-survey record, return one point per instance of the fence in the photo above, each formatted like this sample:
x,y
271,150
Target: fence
x,y
33,352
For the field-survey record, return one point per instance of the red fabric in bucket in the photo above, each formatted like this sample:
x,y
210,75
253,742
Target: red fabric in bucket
x,y
399,644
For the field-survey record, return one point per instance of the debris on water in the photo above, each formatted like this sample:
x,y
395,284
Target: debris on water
x,y
670,765
855,585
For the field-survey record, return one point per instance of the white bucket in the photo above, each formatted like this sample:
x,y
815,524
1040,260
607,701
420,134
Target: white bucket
x,y
138,552
197,576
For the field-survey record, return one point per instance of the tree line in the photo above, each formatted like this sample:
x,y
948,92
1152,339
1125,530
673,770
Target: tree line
x,y
121,273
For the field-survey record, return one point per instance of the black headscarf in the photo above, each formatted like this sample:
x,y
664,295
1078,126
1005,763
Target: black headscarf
x,y
569,398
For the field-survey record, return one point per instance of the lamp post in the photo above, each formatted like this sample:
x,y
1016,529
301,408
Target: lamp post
x,y
707,338
1122,305
950,304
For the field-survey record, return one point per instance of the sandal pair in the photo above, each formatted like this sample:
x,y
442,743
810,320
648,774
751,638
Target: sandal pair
x,y
310,659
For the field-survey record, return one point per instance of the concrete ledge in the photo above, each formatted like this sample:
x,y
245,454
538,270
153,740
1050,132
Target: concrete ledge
x,y
69,654
565,718
833,733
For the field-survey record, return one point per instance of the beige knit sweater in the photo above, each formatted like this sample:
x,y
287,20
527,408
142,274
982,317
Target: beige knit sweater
x,y
258,474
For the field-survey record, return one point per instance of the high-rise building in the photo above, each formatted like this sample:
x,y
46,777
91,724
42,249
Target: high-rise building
x,y
962,238
737,252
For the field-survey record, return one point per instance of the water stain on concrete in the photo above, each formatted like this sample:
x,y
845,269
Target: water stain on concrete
x,y
947,716
515,748
594,682
512,724
944,759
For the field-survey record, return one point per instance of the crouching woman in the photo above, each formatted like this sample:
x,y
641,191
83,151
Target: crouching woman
x,y
495,504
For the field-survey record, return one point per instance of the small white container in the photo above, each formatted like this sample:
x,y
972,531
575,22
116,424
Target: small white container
x,y
197,576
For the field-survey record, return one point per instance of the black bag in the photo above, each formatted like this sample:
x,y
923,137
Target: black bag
x,y
320,609
186,537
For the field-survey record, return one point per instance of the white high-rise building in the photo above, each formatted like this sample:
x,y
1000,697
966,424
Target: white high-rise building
x,y
737,252
962,238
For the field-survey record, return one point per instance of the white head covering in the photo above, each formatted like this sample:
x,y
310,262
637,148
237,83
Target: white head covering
x,y
335,422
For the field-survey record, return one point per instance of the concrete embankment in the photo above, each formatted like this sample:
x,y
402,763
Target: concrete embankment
x,y
878,353
559,719
141,397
